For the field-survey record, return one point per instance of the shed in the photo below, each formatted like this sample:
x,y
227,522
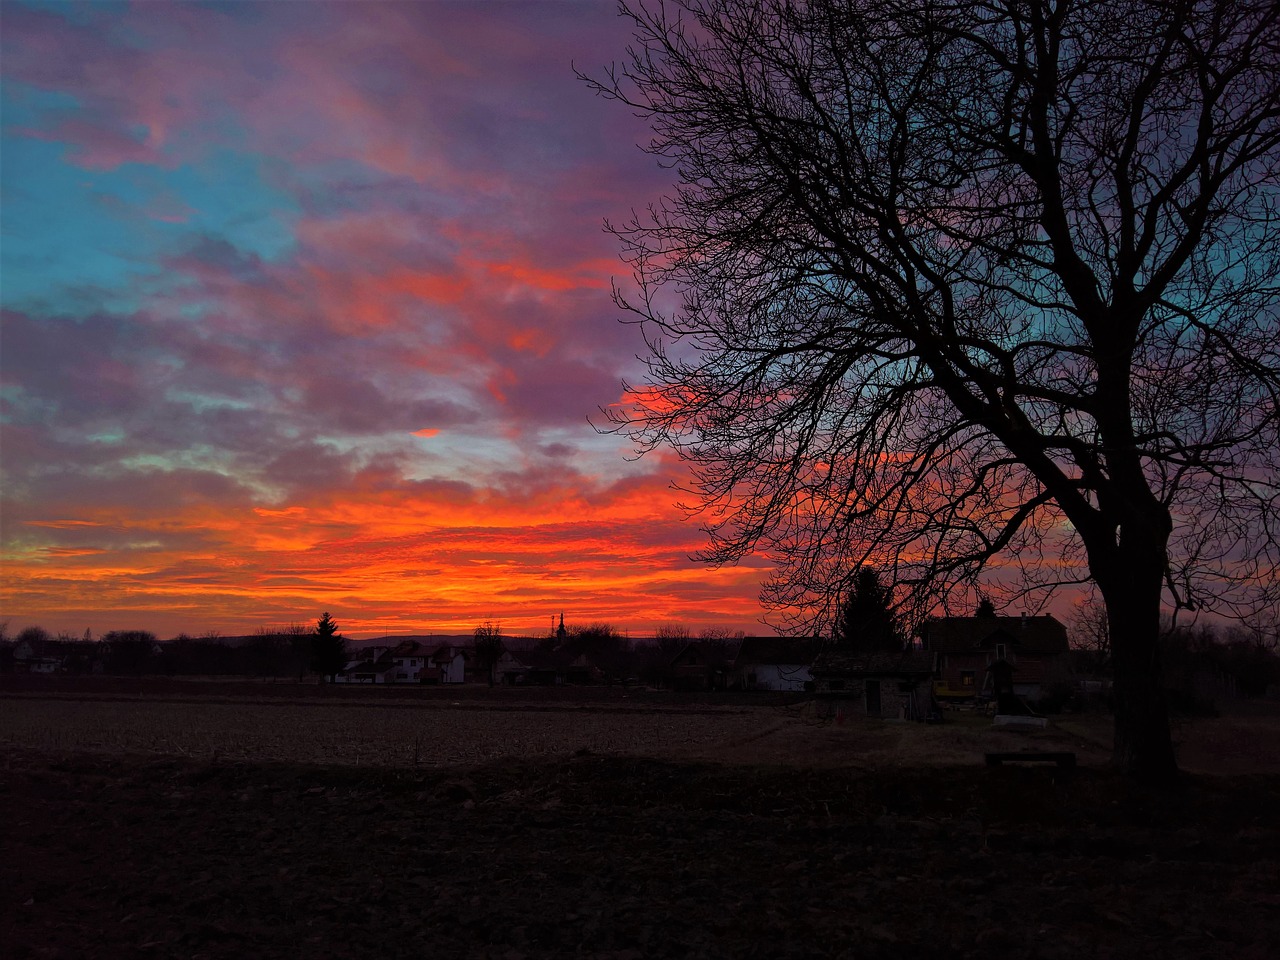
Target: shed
x,y
774,663
887,685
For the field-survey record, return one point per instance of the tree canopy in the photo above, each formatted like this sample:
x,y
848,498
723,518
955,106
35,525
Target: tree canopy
x,y
488,647
943,281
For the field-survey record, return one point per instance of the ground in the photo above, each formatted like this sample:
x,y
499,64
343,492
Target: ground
x,y
721,829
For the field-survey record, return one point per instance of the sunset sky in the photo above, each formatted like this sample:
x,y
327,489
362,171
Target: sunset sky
x,y
306,307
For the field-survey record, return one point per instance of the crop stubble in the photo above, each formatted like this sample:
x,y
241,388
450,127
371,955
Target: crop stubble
x,y
364,735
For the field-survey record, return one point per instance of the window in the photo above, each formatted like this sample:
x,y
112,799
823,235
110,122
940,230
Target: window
x,y
1000,651
966,678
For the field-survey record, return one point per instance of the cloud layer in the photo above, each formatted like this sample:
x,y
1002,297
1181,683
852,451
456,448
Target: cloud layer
x,y
306,307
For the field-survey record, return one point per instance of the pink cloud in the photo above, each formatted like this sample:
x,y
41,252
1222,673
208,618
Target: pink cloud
x,y
247,444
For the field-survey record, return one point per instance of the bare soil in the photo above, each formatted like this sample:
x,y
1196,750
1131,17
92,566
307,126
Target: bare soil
x,y
784,837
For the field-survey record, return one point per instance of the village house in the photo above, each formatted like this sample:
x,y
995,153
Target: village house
x,y
543,668
700,665
37,656
453,664
62,656
374,665
1035,647
531,667
773,663
412,662
359,663
509,668
894,686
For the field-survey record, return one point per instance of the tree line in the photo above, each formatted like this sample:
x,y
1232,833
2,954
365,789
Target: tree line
x,y
291,651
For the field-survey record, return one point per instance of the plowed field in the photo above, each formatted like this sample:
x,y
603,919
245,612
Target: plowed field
x,y
231,825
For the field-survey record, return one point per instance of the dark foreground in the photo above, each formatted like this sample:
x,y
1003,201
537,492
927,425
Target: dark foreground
x,y
627,858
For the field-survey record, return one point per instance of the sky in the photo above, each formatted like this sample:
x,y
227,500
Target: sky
x,y
306,307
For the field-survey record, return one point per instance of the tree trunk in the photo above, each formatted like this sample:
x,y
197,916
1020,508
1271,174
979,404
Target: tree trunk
x,y
1131,586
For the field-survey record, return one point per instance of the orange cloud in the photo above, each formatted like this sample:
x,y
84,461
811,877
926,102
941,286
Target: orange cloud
x,y
441,560
61,524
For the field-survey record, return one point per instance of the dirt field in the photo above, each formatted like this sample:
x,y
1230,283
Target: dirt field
x,y
224,822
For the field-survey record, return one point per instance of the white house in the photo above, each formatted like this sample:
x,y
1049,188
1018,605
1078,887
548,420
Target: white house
x,y
451,661
774,663
37,657
412,662
374,665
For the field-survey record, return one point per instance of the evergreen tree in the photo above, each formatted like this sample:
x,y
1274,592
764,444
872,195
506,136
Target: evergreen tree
x,y
866,622
328,648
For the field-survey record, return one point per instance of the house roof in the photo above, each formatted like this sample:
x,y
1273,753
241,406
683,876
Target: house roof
x,y
411,648
786,650
907,663
1025,634
371,666
703,652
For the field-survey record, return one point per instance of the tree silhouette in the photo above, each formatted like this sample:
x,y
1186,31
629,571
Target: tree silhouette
x,y
488,644
298,637
945,280
1089,631
866,621
129,651
328,648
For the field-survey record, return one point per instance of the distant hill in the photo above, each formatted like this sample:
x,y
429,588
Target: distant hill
x,y
439,639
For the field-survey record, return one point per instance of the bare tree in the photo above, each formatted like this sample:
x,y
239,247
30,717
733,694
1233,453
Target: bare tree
x,y
130,651
719,635
298,636
1261,628
34,635
673,634
1089,630
946,280
605,647
488,644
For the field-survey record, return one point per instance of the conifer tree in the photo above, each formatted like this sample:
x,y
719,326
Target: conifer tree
x,y
328,648
866,622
